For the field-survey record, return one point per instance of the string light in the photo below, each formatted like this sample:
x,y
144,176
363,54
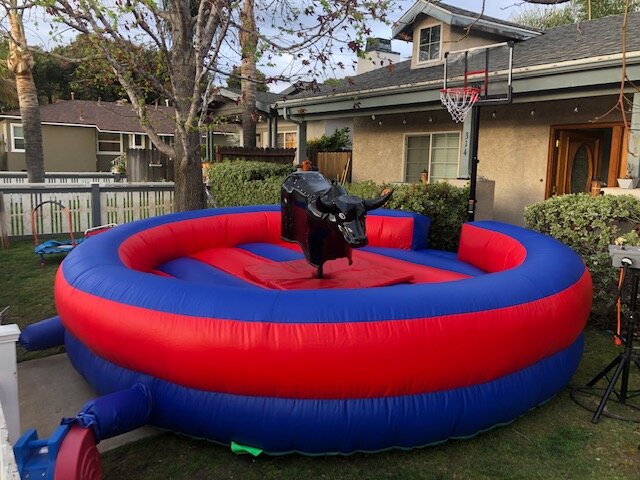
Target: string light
x,y
430,119
380,123
404,121
373,117
493,114
577,109
533,112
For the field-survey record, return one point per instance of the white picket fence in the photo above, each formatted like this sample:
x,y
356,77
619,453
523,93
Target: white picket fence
x,y
64,177
89,206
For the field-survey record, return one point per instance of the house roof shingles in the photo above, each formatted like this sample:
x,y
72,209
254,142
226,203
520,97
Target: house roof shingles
x,y
595,38
106,116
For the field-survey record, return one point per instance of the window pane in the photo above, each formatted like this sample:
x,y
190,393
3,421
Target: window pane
x,y
435,34
425,33
417,156
110,137
108,147
18,143
429,47
435,51
18,131
445,155
291,140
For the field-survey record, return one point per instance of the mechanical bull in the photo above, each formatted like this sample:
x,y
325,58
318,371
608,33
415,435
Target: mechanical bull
x,y
322,218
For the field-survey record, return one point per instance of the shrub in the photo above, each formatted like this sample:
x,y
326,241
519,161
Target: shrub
x,y
589,225
246,183
339,140
444,203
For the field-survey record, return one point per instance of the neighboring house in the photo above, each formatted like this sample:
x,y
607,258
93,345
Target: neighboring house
x,y
560,132
83,135
272,129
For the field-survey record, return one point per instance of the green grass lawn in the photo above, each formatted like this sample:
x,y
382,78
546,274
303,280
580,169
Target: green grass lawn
x,y
554,441
27,288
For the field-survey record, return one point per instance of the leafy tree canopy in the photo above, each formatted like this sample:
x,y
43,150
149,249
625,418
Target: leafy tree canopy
x,y
339,140
544,17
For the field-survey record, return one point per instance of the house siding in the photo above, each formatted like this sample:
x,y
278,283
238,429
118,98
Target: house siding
x,y
513,147
65,149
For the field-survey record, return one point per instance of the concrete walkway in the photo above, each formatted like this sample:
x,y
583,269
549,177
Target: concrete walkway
x,y
49,389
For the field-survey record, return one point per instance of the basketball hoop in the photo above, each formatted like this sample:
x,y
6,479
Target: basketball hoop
x,y
459,101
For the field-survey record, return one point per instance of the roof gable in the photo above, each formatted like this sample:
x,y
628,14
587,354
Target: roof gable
x,y
263,99
461,18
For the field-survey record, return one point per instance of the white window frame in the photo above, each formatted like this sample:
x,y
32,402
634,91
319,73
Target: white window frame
x,y
168,139
100,152
14,137
284,138
431,60
430,134
132,141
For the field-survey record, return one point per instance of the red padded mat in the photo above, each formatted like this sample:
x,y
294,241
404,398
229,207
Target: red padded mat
x,y
299,275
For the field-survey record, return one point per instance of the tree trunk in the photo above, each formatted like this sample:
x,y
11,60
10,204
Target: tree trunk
x,y
20,62
248,44
189,190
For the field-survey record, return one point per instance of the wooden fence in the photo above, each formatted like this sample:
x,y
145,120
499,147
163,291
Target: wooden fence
x,y
148,166
334,165
65,177
89,205
273,155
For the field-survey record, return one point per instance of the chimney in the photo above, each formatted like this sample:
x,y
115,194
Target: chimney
x,y
377,54
73,95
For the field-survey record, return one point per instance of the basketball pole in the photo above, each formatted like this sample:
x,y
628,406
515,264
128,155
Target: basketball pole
x,y
474,134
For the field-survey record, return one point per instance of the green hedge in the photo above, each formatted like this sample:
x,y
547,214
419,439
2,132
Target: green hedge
x,y
444,203
246,183
589,225
254,183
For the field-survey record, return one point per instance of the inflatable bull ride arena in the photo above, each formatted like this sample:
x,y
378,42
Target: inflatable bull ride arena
x,y
266,329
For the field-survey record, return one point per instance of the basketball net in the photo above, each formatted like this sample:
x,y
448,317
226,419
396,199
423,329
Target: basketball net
x,y
459,101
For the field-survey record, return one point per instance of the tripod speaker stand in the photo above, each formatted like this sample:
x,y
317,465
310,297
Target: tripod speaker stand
x,y
621,365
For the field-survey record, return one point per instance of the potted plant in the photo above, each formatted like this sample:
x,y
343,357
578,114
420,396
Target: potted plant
x,y
629,181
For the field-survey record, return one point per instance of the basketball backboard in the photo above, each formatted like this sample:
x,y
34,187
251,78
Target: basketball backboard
x,y
487,68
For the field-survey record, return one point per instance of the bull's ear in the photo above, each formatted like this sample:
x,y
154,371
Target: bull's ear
x,y
323,206
377,202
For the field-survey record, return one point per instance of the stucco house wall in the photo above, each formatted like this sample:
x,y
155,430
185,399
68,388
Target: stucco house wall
x,y
513,146
378,143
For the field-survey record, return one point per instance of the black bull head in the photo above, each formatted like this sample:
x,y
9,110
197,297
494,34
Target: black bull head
x,y
322,218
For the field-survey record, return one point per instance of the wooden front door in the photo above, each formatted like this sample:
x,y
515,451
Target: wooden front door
x,y
578,162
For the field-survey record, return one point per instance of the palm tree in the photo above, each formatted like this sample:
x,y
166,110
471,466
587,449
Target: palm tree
x,y
20,62
248,45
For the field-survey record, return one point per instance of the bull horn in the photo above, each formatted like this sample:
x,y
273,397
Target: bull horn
x,y
377,202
